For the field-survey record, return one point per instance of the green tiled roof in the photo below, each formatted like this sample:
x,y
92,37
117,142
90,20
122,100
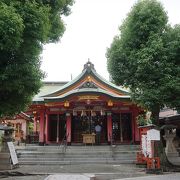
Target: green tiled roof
x,y
50,90
47,88
86,90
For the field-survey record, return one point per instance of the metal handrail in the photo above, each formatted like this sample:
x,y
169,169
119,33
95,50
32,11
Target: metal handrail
x,y
112,146
64,143
65,146
111,139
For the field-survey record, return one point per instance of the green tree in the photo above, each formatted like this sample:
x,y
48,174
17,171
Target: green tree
x,y
145,57
25,25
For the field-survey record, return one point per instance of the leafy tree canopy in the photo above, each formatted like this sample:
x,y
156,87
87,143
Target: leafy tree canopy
x,y
145,57
25,25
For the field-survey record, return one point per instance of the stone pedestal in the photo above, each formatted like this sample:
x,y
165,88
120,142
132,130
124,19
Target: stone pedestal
x,y
5,160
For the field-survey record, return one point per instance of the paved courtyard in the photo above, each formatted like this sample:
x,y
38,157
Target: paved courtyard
x,y
100,171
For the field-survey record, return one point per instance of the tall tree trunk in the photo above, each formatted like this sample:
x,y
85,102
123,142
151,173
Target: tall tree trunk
x,y
155,114
159,148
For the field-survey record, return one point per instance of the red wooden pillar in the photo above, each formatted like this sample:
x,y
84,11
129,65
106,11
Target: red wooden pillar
x,y
47,129
68,127
41,129
136,129
109,126
133,121
35,124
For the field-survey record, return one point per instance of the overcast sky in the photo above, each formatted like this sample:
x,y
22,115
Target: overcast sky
x,y
90,29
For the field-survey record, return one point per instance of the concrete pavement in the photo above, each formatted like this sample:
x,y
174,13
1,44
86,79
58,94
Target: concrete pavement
x,y
174,176
101,171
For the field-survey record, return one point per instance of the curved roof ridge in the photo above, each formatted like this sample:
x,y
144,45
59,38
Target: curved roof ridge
x,y
109,83
67,85
88,70
89,90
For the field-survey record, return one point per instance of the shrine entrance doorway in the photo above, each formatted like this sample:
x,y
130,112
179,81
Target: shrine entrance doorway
x,y
56,127
86,125
122,127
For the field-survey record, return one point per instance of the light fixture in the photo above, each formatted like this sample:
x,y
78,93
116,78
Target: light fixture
x,y
66,104
110,103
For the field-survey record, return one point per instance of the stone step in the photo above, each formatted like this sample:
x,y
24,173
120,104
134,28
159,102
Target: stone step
x,y
76,162
48,155
75,155
68,151
79,156
101,150
102,147
76,159
78,152
78,147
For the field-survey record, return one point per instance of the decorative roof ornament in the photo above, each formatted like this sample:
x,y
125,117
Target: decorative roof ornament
x,y
88,85
89,66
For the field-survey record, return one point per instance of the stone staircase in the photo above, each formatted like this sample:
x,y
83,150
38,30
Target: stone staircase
x,y
53,155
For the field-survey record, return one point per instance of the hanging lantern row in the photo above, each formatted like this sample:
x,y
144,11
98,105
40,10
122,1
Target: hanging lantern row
x,y
109,103
92,113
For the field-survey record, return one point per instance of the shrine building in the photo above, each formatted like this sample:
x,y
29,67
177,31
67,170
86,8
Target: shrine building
x,y
69,110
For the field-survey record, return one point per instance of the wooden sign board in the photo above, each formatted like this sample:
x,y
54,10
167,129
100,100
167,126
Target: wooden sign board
x,y
12,153
153,135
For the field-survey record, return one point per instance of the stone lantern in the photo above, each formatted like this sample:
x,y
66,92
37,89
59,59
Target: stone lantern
x,y
170,134
7,137
5,152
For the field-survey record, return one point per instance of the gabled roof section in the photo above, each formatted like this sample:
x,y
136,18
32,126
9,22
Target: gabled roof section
x,y
48,87
90,79
82,91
